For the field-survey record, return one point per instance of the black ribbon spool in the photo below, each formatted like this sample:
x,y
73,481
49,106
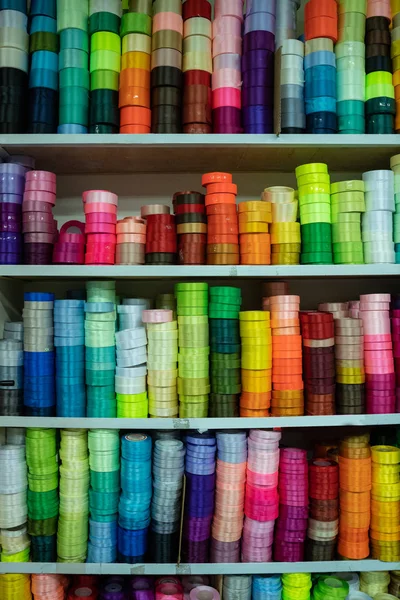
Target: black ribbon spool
x,y
166,128
321,120
167,96
104,114
192,198
166,77
372,23
13,77
378,63
104,96
292,130
100,128
380,106
43,108
164,547
166,115
190,218
377,50
160,258
378,36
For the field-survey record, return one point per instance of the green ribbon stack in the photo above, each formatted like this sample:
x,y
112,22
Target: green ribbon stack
x,y
347,200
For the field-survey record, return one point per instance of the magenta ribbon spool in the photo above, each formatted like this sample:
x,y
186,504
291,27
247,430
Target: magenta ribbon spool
x,y
70,248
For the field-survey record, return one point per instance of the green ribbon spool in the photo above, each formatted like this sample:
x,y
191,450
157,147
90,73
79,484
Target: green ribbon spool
x,y
320,258
135,23
74,39
73,77
43,40
316,232
104,21
73,113
104,80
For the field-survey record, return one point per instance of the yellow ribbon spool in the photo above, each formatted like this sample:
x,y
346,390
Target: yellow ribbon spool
x,y
385,455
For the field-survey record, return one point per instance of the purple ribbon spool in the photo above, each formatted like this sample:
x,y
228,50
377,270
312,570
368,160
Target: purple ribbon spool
x,y
289,552
200,482
196,552
260,21
255,6
113,591
292,525
12,199
257,78
257,96
8,258
143,595
292,512
227,119
10,225
11,208
13,169
257,115
258,59
12,184
258,40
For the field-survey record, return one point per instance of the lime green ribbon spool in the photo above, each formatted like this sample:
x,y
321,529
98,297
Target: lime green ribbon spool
x,y
346,232
135,23
105,40
313,188
104,80
314,199
105,60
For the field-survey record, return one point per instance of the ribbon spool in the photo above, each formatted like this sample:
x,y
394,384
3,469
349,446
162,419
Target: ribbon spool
x,y
166,70
74,68
100,342
70,246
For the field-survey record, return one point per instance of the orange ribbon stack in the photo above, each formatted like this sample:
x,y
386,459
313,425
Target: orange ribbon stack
x,y
222,219
256,361
321,20
354,496
134,84
255,241
287,369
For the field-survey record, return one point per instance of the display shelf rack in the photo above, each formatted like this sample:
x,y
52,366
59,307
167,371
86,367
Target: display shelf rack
x,y
199,569
36,272
173,153
203,424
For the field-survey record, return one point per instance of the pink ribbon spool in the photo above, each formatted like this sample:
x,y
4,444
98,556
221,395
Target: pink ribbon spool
x,y
37,217
131,238
157,316
100,228
67,236
41,176
228,8
204,592
40,186
226,78
100,207
99,217
224,44
38,198
226,25
132,225
167,20
169,591
40,238
226,97
99,197
39,227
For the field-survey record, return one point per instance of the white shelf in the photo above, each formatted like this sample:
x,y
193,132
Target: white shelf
x,y
28,272
203,424
199,569
201,153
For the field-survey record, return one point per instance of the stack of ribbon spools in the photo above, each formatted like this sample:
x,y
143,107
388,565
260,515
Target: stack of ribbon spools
x,y
14,65
161,242
321,32
105,65
377,221
72,25
134,506
329,587
12,187
166,67
315,213
354,495
285,230
131,370
49,585
230,485
287,369
395,36
70,246
319,362
168,471
258,67
256,360
255,242
42,462
385,505
69,341
72,535
38,224
261,503
100,318
162,333
13,499
191,224
395,166
395,326
296,584
224,310
227,67
264,586
350,67
347,206
291,78
378,354
199,497
43,75
194,348
39,389
131,241
12,585
103,495
350,374
291,525
134,85
374,583
11,370
323,524
197,67
223,227
380,104
100,208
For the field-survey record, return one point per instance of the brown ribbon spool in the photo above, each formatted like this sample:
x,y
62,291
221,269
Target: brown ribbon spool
x,y
222,249
166,38
197,128
191,228
222,259
197,94
378,36
197,113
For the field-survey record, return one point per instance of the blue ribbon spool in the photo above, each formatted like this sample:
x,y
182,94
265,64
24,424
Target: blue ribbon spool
x,y
101,555
44,60
132,543
76,39
46,8
43,25
322,122
320,72
321,104
38,297
319,59
320,88
72,129
18,5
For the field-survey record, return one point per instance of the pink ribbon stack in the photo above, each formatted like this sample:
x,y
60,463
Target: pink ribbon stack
x,y
70,246
131,241
100,208
261,503
291,526
395,320
38,224
378,354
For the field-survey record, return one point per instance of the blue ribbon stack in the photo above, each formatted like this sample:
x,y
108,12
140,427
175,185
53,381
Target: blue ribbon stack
x,y
103,495
266,586
258,66
320,88
100,349
69,340
43,76
199,500
134,503
39,389
72,25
